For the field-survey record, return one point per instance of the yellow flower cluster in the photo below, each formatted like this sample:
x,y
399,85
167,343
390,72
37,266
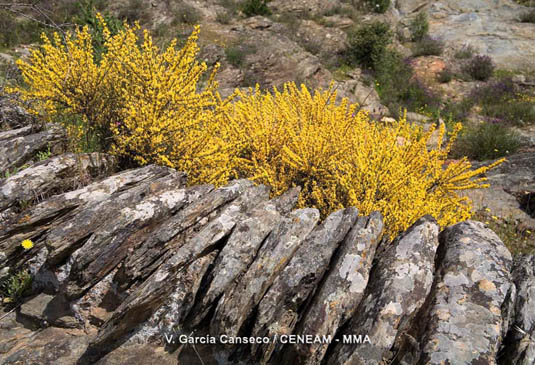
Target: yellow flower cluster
x,y
342,158
156,106
65,80
138,101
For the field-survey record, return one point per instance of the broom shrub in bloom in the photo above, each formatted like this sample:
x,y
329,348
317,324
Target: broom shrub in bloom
x,y
149,105
341,158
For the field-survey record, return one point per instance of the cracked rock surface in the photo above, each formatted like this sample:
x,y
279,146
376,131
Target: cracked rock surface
x,y
123,263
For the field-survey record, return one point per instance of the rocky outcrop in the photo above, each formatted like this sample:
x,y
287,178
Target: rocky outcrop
x,y
123,264
511,184
492,27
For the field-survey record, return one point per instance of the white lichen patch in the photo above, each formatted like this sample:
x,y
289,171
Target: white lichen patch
x,y
451,279
142,211
172,198
349,271
392,308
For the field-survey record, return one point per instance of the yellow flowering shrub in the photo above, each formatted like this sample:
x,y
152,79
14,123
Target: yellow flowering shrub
x,y
64,80
166,117
341,158
138,102
156,106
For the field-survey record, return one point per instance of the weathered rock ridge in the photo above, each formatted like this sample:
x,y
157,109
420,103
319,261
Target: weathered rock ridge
x,y
123,263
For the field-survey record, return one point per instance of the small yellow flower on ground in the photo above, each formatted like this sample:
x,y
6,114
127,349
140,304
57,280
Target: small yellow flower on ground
x,y
27,244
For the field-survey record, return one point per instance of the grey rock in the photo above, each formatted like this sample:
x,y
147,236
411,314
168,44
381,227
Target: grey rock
x,y
56,210
173,235
45,310
343,288
112,214
12,115
237,303
121,232
149,296
169,318
14,152
60,173
397,288
284,301
242,247
49,346
519,345
465,324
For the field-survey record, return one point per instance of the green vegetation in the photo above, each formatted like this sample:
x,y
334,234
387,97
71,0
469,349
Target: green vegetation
x,y
445,76
16,287
255,7
486,142
517,239
236,54
397,87
465,52
368,44
480,67
378,6
428,46
419,26
44,155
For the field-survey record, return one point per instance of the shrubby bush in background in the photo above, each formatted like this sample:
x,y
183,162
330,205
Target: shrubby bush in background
x,y
368,43
487,141
255,7
378,6
428,46
419,26
480,67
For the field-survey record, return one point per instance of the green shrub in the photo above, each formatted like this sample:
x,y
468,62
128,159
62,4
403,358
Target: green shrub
x,y
378,6
255,7
135,10
486,142
445,76
428,46
21,31
503,101
15,287
186,14
397,87
87,15
480,68
223,17
419,26
465,52
368,43
236,54
528,17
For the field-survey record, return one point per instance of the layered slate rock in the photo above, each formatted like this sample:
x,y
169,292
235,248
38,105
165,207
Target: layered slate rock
x,y
173,233
53,216
473,283
238,302
21,147
127,259
398,286
242,247
343,288
281,306
519,346
50,177
149,296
